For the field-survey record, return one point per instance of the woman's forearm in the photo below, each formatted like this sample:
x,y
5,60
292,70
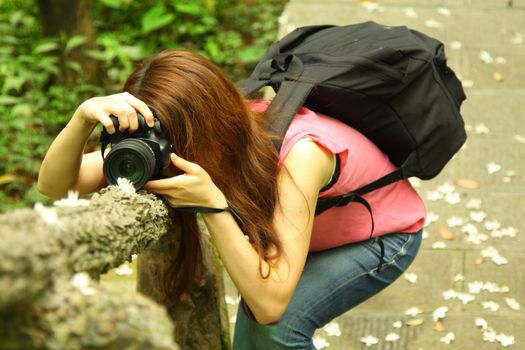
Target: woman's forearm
x,y
267,297
60,167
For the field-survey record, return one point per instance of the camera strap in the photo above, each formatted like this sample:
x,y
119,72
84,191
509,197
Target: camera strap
x,y
232,211
104,142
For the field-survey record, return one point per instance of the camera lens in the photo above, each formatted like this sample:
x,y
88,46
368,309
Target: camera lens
x,y
132,159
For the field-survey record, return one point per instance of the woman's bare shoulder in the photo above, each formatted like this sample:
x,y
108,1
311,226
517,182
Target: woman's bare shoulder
x,y
310,161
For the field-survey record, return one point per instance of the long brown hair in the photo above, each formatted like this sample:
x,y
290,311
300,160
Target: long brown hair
x,y
208,122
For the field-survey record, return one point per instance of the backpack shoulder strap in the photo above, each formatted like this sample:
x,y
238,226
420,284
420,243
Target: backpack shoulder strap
x,y
355,196
289,98
249,86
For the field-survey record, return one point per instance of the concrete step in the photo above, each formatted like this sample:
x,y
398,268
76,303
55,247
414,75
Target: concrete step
x,y
483,4
502,34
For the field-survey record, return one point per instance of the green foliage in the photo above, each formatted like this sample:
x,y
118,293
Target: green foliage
x,y
34,106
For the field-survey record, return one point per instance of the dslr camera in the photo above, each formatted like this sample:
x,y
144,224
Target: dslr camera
x,y
138,156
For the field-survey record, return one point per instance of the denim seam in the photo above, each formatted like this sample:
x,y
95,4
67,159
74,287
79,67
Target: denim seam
x,y
393,261
402,251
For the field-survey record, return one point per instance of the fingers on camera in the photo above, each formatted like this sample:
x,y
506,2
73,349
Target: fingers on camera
x,y
106,121
141,107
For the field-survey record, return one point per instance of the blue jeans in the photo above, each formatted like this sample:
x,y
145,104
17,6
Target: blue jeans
x,y
333,282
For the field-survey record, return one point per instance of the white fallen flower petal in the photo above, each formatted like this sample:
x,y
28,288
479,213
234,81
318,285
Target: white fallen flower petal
x,y
432,23
467,83
126,186
456,45
448,338
492,287
397,324
505,232
481,323
486,57
320,342
48,215
477,216
332,329
489,335
466,298
475,287
444,11
439,245
470,229
455,221
500,60
410,12
82,282
410,277
499,260
72,200
452,198
283,18
372,6
431,218
494,255
439,313
459,278
513,304
233,319
434,196
476,238
493,168
124,270
490,305
415,182
505,340
481,129
413,311
449,294
369,340
519,138
517,39
290,28
392,337
474,203
447,187
492,225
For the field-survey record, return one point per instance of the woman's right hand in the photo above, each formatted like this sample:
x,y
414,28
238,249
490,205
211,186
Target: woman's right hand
x,y
123,105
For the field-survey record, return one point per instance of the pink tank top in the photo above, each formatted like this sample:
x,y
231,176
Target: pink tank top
x,y
396,208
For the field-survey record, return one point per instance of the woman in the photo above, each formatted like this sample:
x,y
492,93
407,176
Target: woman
x,y
296,271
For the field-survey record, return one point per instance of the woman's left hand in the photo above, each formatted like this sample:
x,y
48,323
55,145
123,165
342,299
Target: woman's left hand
x,y
193,188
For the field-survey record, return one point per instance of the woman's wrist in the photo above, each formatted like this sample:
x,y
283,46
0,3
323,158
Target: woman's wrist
x,y
218,200
80,120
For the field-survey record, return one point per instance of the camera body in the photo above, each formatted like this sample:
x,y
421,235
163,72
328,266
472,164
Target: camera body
x,y
138,156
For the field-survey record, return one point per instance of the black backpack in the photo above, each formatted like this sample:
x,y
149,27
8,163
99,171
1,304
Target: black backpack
x,y
392,84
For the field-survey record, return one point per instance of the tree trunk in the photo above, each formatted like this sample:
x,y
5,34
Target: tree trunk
x,y
70,18
201,321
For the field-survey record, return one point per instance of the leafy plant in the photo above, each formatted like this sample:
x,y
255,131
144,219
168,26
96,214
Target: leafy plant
x,y
33,107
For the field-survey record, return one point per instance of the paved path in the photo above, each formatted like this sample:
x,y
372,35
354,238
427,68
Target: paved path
x,y
485,43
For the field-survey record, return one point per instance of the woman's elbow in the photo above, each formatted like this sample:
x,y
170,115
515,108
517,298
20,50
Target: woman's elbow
x,y
47,190
271,314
